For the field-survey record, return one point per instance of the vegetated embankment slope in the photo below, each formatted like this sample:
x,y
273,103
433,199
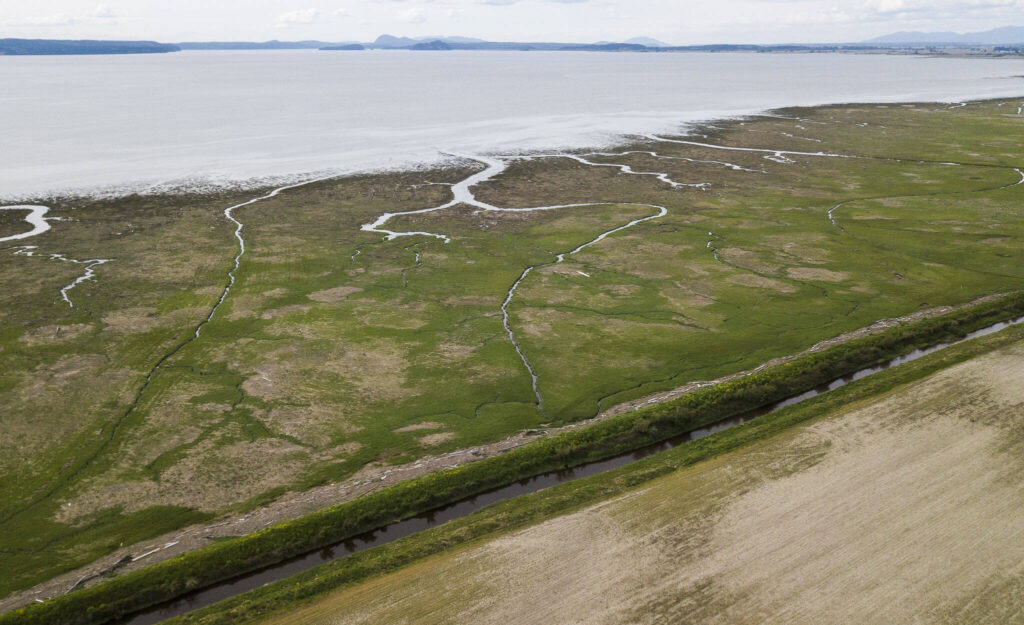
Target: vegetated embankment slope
x,y
338,353
905,508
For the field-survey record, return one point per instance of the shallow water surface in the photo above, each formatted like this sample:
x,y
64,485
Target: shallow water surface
x,y
194,117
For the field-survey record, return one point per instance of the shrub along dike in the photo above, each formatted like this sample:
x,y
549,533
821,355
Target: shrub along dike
x,y
172,578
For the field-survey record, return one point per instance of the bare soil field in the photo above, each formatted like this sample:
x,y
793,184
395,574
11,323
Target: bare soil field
x,y
908,508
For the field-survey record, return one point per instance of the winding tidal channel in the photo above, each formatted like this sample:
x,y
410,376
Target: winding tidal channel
x,y
40,223
36,218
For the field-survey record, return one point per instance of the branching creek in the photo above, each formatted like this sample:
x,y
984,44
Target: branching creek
x,y
462,194
40,223
90,265
109,431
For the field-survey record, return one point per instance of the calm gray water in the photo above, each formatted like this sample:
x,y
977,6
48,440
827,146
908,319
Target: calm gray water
x,y
199,117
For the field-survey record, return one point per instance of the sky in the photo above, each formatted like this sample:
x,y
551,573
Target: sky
x,y
678,22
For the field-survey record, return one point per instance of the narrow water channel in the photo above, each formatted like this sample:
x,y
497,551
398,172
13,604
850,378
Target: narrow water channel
x,y
249,581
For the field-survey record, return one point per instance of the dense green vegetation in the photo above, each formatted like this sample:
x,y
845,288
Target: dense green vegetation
x,y
333,342
174,577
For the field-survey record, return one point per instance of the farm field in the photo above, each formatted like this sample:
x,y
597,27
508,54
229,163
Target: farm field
x,y
148,396
905,507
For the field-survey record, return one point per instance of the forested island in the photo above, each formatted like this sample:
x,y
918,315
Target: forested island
x,y
85,46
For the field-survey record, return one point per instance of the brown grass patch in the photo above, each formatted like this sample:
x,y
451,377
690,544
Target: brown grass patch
x,y
335,294
817,273
472,300
435,439
267,383
284,310
316,424
55,333
455,350
531,322
130,320
144,319
211,476
425,425
621,290
377,371
760,282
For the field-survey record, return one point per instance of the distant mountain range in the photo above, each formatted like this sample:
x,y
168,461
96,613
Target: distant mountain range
x,y
647,41
1007,35
470,43
996,36
384,42
1010,35
257,45
390,42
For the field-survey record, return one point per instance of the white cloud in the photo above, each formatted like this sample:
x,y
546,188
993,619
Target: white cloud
x,y
678,21
415,15
296,18
45,21
936,8
103,11
508,2
101,14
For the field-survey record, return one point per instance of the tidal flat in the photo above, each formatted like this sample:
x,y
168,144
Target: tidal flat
x,y
184,380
